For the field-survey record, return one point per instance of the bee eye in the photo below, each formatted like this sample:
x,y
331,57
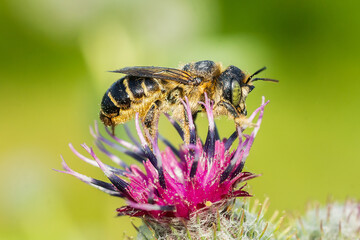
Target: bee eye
x,y
236,93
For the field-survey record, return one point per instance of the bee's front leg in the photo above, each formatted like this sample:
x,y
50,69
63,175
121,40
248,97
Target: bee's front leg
x,y
151,119
239,118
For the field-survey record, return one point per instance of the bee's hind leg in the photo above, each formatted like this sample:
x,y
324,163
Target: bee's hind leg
x,y
150,121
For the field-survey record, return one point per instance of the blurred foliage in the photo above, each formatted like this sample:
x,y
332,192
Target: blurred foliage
x,y
53,69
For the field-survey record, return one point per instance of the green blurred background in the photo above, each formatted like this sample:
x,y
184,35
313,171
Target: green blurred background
x,y
54,58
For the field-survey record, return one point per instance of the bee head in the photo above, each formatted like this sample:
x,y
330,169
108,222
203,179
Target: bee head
x,y
235,88
237,85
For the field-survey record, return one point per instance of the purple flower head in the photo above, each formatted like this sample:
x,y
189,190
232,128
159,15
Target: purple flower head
x,y
175,183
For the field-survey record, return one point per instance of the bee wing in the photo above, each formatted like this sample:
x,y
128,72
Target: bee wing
x,y
172,74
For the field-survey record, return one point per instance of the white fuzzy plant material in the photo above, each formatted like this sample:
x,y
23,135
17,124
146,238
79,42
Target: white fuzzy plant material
x,y
335,221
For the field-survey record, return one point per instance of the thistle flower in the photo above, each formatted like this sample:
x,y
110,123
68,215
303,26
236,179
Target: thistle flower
x,y
334,221
243,221
197,181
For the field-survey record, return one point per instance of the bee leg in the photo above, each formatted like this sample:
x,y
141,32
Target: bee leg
x,y
188,126
240,119
151,119
194,115
186,129
113,129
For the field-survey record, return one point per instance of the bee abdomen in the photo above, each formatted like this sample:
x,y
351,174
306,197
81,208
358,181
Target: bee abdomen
x,y
151,85
140,87
115,99
108,106
134,87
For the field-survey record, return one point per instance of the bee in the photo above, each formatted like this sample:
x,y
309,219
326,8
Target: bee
x,y
150,91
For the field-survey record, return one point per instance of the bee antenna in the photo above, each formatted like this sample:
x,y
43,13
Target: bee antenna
x,y
265,79
255,73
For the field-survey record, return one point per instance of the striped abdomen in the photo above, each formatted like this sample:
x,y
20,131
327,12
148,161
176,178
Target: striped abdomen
x,y
124,96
